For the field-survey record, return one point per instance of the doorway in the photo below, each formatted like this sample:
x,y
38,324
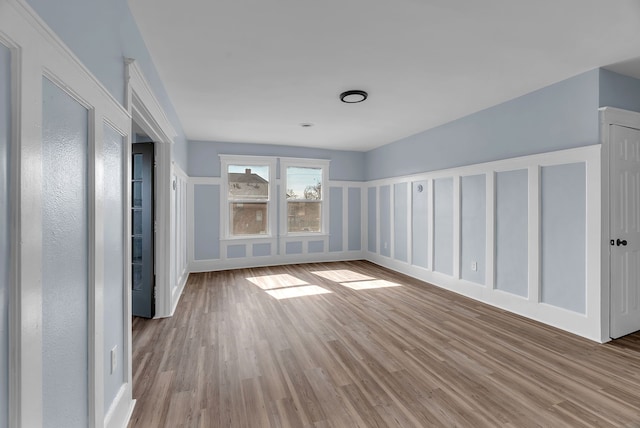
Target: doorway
x,y
142,230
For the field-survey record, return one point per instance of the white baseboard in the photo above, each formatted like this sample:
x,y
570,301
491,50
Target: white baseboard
x,y
250,262
121,409
177,291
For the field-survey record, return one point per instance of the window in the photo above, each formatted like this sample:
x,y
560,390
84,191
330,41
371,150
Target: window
x,y
249,192
305,184
248,196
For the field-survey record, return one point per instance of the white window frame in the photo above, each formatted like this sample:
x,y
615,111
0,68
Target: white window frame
x,y
322,164
272,223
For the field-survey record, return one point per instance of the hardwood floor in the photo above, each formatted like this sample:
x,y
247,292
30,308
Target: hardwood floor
x,y
364,346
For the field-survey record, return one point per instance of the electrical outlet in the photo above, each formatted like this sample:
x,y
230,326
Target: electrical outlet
x,y
474,266
114,359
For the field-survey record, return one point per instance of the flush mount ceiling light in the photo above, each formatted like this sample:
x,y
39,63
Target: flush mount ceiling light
x,y
353,96
306,125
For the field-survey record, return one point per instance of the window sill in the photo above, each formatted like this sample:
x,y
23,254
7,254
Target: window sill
x,y
247,238
305,235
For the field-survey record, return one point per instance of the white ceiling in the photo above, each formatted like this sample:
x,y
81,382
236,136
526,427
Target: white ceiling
x,y
253,70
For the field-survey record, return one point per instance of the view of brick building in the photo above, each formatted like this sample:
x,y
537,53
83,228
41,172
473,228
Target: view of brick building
x,y
247,217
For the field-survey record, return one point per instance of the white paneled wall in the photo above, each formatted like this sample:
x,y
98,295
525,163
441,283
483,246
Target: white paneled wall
x,y
522,234
179,226
115,240
208,252
60,295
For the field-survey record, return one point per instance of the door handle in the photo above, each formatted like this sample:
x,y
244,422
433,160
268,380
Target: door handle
x,y
622,242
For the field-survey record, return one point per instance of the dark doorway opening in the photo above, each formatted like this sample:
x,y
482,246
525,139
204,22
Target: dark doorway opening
x,y
142,229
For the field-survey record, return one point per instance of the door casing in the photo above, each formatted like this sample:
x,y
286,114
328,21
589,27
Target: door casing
x,y
609,116
146,112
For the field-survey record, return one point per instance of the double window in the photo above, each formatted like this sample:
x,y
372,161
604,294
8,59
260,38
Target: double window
x,y
250,189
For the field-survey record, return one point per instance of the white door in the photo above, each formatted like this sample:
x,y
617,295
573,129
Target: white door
x,y
624,194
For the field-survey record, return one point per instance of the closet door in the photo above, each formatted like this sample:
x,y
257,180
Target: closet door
x,y
624,155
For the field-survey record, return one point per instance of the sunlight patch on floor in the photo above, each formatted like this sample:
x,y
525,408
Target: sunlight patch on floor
x,y
269,282
300,291
285,286
342,275
369,285
354,280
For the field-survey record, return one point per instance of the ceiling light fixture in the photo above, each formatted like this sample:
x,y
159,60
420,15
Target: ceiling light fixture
x,y
306,125
353,96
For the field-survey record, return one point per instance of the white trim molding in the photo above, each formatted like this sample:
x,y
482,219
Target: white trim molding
x,y
145,107
121,409
273,260
179,272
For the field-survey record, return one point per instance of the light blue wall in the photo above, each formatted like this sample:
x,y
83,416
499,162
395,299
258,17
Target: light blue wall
x,y
372,219
261,250
206,213
5,247
400,232
443,225
385,220
113,263
420,224
293,248
619,91
354,226
563,247
512,232
236,251
316,246
204,160
560,116
64,260
102,34
335,219
473,221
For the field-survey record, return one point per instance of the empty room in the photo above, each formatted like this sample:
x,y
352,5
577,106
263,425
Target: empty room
x,y
319,214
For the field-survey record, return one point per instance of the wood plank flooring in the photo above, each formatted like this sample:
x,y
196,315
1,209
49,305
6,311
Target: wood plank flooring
x,y
351,344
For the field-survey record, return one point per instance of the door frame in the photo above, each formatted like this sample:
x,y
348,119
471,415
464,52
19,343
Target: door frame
x,y
147,112
609,116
